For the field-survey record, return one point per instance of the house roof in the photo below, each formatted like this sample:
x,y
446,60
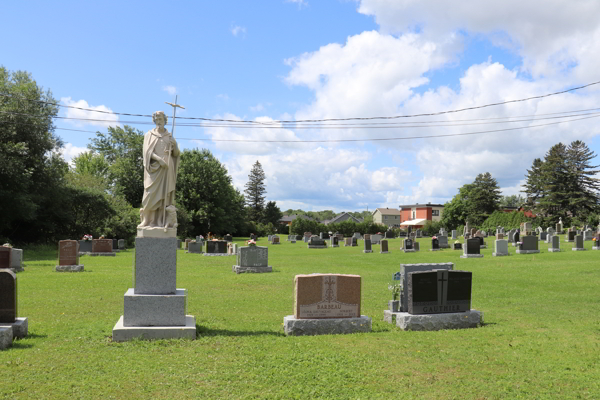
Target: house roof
x,y
421,205
387,211
290,218
337,217
414,222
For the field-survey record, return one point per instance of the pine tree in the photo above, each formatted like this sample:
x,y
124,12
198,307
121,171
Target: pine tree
x,y
583,186
255,193
534,184
484,198
555,182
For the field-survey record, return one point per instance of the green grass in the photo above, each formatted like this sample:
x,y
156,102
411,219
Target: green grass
x,y
541,338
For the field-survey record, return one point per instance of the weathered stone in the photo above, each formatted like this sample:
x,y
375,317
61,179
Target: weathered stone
x,y
102,246
327,296
436,322
68,252
69,268
6,338
500,248
332,326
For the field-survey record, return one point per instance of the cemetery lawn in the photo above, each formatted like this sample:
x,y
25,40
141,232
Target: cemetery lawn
x,y
541,338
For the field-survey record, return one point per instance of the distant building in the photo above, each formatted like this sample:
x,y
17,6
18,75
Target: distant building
x,y
287,219
387,216
344,216
417,215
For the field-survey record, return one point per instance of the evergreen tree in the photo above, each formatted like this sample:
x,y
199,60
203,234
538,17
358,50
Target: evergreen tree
x,y
583,187
484,198
553,199
272,213
255,193
534,184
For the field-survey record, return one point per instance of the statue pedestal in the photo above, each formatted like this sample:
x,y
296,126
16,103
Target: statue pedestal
x,y
156,232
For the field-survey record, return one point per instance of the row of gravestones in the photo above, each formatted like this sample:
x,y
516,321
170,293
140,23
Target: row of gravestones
x,y
11,258
101,246
69,252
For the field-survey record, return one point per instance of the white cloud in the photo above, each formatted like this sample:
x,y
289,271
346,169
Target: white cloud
x,y
237,30
257,108
69,152
104,118
301,3
172,90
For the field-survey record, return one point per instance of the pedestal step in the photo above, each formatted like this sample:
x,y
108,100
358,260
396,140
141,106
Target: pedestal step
x,y
123,333
155,309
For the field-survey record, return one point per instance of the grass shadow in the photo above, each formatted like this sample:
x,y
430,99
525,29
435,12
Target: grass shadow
x,y
203,331
17,344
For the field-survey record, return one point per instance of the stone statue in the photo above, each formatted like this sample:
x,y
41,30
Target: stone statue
x,y
161,159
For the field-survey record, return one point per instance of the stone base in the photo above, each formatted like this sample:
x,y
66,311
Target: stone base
x,y
6,338
69,268
435,322
347,245
19,327
471,256
216,254
111,254
335,245
569,241
551,250
310,246
595,248
367,251
156,232
326,326
240,270
527,251
409,250
124,333
193,252
17,269
154,309
500,254
435,249
483,246
384,252
576,249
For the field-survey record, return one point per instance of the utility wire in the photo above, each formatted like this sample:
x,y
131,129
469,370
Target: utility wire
x,y
320,120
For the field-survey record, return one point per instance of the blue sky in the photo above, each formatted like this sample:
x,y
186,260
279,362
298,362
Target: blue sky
x,y
323,59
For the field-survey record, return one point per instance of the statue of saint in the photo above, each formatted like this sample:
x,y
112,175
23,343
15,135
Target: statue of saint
x,y
161,159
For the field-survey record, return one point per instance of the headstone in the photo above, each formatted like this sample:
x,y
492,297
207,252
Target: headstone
x,y
439,291
275,240
8,295
178,244
588,235
187,241
384,247
16,263
326,304
194,247
68,256
85,246
5,257
596,242
375,239
357,235
443,242
516,237
215,248
528,245
416,246
435,244
252,259
354,241
228,238
316,242
550,231
406,269
499,236
457,246
578,243
347,242
454,237
367,236
511,235
307,234
555,247
334,241
471,248
102,246
543,235
367,246
115,244
121,244
559,227
500,248
571,236
408,245
389,234
419,233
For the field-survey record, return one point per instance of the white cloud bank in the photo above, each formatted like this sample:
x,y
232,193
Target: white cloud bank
x,y
69,152
89,116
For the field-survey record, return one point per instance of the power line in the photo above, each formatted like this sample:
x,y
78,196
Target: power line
x,y
325,119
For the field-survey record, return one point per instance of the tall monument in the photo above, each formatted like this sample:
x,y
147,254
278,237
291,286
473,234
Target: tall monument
x,y
155,308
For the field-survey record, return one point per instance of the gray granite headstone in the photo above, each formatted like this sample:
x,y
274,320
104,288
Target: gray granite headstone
x,y
121,244
155,265
500,248
443,241
194,247
375,239
367,246
578,243
454,234
253,256
528,245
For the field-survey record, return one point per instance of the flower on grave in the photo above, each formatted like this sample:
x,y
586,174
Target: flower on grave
x,y
251,242
87,238
594,239
456,241
7,245
395,288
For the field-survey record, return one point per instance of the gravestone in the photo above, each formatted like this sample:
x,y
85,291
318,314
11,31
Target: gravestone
x,y
252,259
375,239
5,257
443,242
482,244
384,247
418,233
550,231
347,242
102,247
85,246
500,248
596,242
588,235
194,248
457,246
454,237
408,246
216,248
316,242
68,256
543,235
367,246
389,234
416,246
570,236
578,243
121,244
115,244
367,236
178,244
228,238
406,269
499,236
9,311
16,263
516,239
559,227
334,241
357,235
435,244
549,238
439,291
307,235
187,241
528,245
275,240
511,235
471,248
555,244
354,241
326,304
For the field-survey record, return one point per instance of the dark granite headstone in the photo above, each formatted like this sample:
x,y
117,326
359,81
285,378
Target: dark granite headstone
x,y
408,244
5,257
115,244
85,246
384,246
253,256
439,291
216,246
354,241
367,245
516,237
543,235
228,238
334,241
435,244
457,246
571,236
8,296
316,241
389,235
473,246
